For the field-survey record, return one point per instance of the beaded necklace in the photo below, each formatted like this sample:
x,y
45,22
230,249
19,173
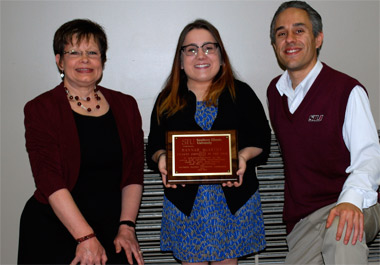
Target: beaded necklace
x,y
78,99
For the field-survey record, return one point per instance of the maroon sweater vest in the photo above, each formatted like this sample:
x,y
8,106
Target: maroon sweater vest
x,y
311,141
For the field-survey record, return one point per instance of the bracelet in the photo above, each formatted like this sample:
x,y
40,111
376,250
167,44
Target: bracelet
x,y
128,223
158,158
84,238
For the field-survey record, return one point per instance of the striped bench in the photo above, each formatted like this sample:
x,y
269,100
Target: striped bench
x,y
271,177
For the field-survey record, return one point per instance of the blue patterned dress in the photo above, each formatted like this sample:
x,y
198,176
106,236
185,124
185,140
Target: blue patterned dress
x,y
211,232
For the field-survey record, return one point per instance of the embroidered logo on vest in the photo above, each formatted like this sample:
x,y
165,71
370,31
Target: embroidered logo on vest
x,y
315,118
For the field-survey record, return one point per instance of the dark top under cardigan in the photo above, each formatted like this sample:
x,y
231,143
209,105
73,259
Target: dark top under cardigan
x,y
245,114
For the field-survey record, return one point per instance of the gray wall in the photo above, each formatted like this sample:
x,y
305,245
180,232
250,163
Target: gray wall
x,y
142,37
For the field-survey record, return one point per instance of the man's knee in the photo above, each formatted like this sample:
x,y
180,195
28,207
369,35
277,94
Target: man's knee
x,y
336,252
330,233
372,221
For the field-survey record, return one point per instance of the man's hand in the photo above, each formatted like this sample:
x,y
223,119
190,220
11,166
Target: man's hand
x,y
352,216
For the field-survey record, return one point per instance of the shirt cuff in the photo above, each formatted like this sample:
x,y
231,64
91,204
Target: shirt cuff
x,y
351,196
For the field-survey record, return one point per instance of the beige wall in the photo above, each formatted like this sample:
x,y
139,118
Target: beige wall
x,y
142,38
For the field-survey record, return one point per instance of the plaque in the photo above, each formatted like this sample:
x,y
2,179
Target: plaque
x,y
201,157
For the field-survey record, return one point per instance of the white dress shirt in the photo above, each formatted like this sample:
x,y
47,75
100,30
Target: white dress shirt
x,y
359,134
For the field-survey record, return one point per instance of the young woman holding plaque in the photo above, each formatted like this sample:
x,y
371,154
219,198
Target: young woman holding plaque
x,y
214,223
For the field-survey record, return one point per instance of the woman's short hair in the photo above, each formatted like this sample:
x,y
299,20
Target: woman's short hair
x,y
81,29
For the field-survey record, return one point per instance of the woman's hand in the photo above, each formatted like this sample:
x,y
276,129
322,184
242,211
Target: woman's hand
x,y
244,155
164,173
126,239
240,173
90,252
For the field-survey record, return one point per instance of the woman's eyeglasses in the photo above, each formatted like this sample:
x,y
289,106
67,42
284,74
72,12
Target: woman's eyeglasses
x,y
207,48
79,54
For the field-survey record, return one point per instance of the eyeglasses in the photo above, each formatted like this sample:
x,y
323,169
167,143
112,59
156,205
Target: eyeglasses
x,y
79,54
207,48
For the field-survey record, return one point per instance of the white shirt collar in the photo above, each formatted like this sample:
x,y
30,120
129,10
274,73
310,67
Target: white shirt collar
x,y
295,96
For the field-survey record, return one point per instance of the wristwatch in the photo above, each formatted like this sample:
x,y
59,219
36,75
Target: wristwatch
x,y
128,223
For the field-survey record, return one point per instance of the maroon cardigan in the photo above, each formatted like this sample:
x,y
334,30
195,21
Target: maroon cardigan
x,y
53,146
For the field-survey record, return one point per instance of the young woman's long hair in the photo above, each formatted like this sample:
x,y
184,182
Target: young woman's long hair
x,y
172,98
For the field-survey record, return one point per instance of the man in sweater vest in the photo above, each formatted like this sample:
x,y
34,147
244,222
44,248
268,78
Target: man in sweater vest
x,y
329,143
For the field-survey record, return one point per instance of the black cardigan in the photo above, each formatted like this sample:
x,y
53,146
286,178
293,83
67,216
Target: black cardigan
x,y
245,114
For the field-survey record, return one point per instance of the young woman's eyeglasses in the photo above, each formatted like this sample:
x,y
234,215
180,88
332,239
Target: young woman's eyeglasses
x,y
207,48
79,54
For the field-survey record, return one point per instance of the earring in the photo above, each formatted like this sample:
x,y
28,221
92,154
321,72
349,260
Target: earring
x,y
62,75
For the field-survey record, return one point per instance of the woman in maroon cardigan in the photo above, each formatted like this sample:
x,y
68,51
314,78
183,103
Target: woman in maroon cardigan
x,y
85,146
